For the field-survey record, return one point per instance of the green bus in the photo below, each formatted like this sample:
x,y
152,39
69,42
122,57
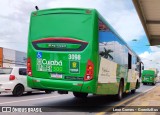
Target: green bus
x,y
149,77
76,50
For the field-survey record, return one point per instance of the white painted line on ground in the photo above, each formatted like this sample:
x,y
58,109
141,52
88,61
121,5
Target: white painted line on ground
x,y
149,89
28,100
134,97
119,104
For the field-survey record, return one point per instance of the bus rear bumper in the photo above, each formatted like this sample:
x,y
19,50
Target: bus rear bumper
x,y
61,85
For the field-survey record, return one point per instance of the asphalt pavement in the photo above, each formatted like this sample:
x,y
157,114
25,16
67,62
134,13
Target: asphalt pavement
x,y
67,103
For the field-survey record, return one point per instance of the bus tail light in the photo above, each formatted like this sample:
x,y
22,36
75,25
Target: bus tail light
x,y
12,77
29,69
89,71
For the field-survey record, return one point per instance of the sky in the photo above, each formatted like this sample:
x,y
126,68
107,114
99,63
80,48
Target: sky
x,y
121,14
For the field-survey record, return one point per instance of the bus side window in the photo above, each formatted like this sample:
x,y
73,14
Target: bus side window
x,y
102,26
129,61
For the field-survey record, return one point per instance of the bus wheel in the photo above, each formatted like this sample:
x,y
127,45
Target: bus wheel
x,y
134,90
120,91
144,83
48,92
153,83
80,95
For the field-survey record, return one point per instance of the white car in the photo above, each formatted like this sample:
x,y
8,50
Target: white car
x,y
15,80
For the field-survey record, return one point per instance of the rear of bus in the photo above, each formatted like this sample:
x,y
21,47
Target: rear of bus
x,y
63,50
148,76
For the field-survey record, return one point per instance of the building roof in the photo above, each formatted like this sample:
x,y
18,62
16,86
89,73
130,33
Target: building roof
x,y
149,14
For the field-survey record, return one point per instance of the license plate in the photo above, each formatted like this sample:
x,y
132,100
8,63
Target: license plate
x,y
146,79
55,75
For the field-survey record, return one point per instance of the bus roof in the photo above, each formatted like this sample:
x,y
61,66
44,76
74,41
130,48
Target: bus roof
x,y
80,11
65,10
148,71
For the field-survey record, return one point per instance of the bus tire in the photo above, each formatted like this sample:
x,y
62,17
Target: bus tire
x,y
153,83
80,95
134,90
144,83
18,90
48,92
120,91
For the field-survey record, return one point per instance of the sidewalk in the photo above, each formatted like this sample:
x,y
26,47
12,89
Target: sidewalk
x,y
151,98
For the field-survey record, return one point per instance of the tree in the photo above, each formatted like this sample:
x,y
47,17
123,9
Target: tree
x,y
106,53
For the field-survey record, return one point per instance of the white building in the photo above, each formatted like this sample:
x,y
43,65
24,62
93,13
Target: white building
x,y
11,58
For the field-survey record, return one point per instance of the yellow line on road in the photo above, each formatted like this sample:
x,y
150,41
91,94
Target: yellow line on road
x,y
101,113
125,101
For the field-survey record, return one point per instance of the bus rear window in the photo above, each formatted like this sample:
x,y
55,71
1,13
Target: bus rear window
x,y
59,44
76,26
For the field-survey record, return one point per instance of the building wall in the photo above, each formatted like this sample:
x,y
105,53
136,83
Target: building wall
x,y
8,57
20,58
12,58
